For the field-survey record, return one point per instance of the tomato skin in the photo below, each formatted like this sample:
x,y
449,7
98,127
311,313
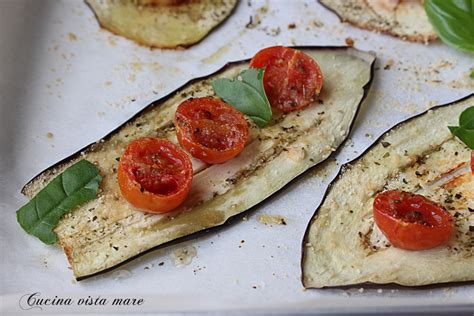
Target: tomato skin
x,y
210,129
411,221
154,175
292,79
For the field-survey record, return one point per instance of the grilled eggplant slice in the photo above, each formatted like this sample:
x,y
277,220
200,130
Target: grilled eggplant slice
x,y
342,246
401,18
162,23
107,231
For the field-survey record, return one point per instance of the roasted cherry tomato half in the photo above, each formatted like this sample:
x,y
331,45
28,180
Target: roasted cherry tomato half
x,y
412,221
292,79
210,129
154,174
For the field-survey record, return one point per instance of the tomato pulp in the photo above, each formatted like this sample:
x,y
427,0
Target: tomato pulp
x,y
292,79
154,174
411,221
210,129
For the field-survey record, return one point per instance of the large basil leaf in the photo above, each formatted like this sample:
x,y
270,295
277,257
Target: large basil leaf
x,y
247,94
453,20
465,130
77,184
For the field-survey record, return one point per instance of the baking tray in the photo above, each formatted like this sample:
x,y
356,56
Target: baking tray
x,y
65,83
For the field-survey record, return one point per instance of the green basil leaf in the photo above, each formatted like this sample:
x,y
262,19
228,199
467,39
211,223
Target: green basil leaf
x,y
453,129
260,122
247,94
466,136
465,130
254,77
453,20
75,185
466,120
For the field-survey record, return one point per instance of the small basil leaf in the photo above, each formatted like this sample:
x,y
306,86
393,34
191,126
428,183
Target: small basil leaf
x,y
247,94
260,122
466,120
453,129
465,130
75,185
254,77
453,20
240,95
466,136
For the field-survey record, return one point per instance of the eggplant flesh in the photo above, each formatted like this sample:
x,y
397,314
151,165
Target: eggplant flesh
x,y
108,231
404,18
162,23
343,246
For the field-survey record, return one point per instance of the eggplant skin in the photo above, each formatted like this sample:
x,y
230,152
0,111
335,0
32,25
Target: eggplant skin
x,y
107,232
342,246
162,23
406,20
